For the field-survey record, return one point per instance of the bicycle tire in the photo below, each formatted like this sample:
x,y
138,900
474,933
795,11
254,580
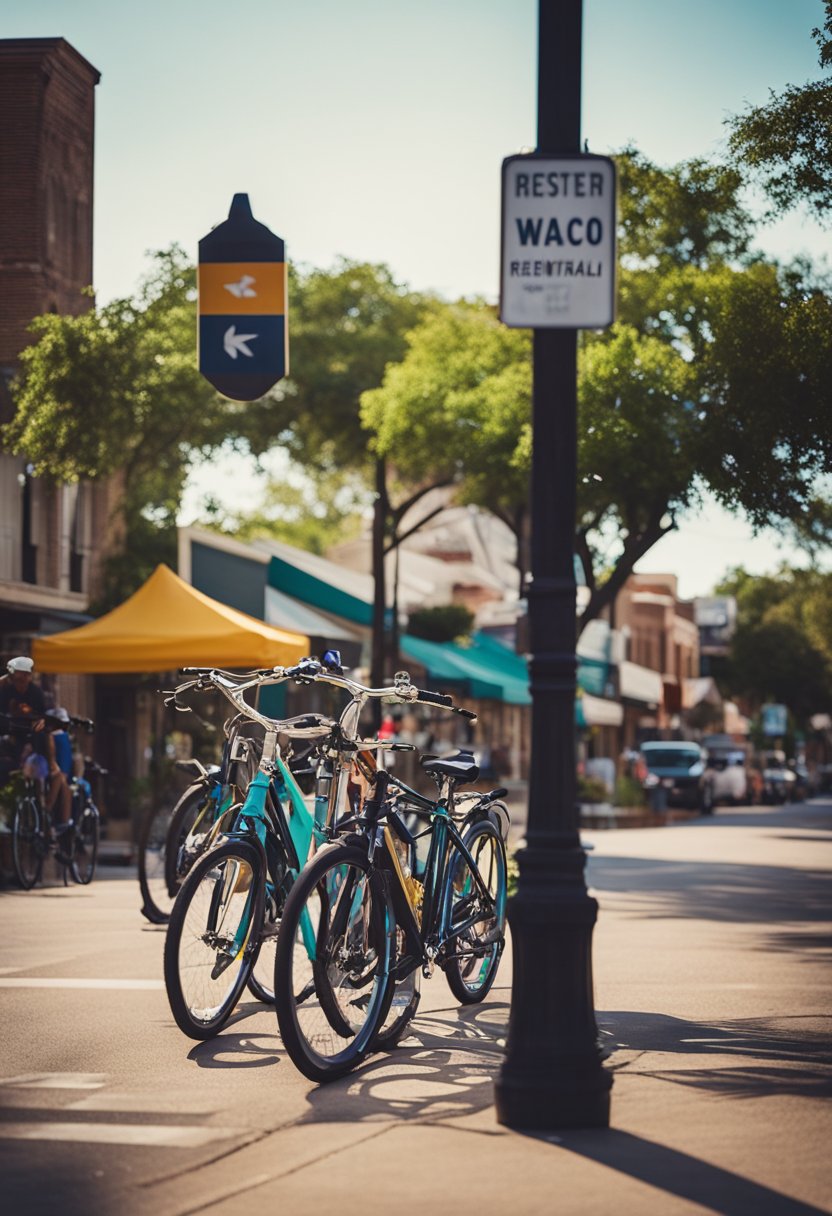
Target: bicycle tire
x,y
28,844
261,977
471,977
162,834
329,1008
85,846
204,981
403,1005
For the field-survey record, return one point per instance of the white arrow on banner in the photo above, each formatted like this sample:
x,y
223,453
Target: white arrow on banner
x,y
235,343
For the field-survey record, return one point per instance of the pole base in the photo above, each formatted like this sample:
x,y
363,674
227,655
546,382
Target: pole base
x,y
567,1099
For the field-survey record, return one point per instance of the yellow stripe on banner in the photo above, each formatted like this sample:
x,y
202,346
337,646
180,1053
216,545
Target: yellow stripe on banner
x,y
242,287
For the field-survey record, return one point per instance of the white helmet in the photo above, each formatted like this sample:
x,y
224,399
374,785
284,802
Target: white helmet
x,y
22,663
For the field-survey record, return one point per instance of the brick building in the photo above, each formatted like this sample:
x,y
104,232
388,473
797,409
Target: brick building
x,y
50,536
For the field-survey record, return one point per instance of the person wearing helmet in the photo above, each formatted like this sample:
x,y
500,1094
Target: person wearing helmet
x,y
24,704
20,698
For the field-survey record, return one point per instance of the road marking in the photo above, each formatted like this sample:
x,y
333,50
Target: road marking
x,y
54,982
56,1080
155,1135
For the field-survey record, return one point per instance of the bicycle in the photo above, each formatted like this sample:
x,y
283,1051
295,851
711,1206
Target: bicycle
x,y
225,919
171,839
34,835
225,916
363,916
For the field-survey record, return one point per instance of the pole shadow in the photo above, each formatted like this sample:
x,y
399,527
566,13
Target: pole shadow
x,y
680,1174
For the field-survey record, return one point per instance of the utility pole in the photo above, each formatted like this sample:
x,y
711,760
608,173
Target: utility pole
x,y
552,1076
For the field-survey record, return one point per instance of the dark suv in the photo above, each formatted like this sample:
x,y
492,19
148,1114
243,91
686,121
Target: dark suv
x,y
676,776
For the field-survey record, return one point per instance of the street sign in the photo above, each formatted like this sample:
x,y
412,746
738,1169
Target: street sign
x,y
775,720
243,311
558,262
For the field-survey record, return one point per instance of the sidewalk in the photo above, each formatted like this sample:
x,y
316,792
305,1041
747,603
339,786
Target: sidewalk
x,y
713,993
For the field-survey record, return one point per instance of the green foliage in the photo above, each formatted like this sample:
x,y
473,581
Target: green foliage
x,y
592,789
628,792
716,377
785,146
457,407
346,325
116,391
311,512
782,650
444,623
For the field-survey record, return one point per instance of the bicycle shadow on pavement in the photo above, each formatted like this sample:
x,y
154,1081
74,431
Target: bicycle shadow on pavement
x,y
243,1050
444,1068
738,1058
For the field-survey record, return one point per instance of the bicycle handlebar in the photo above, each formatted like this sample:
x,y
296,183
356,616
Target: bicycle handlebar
x,y
308,671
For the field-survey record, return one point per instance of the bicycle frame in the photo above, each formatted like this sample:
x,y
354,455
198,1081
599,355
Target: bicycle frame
x,y
429,930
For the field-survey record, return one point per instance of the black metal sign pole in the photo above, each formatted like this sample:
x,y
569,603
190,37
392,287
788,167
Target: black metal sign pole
x,y
552,1075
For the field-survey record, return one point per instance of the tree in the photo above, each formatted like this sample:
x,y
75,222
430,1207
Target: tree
x,y
457,409
346,325
116,391
786,145
311,512
716,377
782,649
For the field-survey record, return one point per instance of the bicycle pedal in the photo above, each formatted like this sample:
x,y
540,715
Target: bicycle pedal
x,y
223,962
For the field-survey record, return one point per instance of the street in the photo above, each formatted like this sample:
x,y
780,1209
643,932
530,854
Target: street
x,y
711,963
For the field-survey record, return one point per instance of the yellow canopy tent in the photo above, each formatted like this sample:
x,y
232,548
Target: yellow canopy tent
x,y
164,625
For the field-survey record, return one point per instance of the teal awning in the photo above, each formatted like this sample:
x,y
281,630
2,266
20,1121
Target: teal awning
x,y
302,585
485,668
488,669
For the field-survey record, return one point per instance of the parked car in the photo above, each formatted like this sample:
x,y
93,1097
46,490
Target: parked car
x,y
728,776
677,776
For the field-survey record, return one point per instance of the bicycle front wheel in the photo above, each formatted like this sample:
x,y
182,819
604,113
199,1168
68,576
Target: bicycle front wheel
x,y
85,846
213,934
161,863
335,952
476,951
28,843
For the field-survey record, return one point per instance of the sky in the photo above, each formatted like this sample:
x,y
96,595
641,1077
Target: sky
x,y
375,129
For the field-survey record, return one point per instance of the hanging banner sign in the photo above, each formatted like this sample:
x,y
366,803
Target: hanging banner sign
x,y
243,306
558,261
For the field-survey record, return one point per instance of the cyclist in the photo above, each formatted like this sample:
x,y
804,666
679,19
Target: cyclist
x,y
24,703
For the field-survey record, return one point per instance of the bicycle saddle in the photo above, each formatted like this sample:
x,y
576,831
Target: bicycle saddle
x,y
461,766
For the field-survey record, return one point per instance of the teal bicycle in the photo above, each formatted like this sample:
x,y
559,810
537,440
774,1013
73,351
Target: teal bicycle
x,y
224,921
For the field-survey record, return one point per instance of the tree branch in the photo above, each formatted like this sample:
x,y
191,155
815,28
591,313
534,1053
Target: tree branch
x,y
398,513
635,548
398,538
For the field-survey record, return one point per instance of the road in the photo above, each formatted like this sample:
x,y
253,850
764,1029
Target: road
x,y
713,993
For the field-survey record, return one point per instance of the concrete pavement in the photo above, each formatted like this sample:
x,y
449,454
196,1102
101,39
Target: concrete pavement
x,y
713,992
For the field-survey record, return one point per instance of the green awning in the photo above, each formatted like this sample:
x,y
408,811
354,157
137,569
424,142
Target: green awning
x,y
488,669
309,589
485,668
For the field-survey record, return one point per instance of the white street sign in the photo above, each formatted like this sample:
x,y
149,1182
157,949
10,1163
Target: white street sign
x,y
558,266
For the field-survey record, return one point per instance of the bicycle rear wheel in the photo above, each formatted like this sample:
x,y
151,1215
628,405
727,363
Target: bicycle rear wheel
x,y
163,835
476,952
85,846
334,955
212,937
28,842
